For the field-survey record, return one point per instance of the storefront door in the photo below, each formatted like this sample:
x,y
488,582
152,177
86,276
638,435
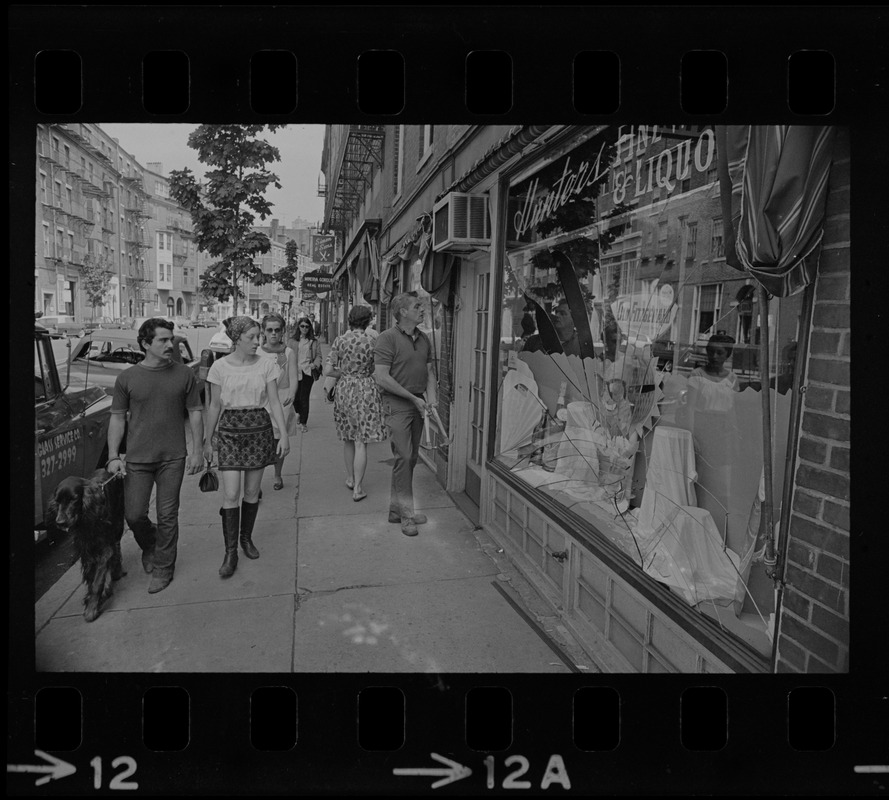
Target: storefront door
x,y
478,379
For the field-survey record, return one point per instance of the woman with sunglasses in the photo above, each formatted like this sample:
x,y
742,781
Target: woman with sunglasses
x,y
273,347
308,366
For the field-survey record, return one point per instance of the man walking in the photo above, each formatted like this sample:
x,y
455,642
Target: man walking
x,y
403,369
156,394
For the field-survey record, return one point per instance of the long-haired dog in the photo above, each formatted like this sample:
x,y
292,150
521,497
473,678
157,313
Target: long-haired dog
x,y
92,509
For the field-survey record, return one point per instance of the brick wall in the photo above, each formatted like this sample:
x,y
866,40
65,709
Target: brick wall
x,y
814,627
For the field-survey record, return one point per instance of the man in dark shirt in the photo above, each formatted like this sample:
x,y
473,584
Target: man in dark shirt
x,y
155,394
404,371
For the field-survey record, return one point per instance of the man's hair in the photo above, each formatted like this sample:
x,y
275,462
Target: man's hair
x,y
400,302
149,328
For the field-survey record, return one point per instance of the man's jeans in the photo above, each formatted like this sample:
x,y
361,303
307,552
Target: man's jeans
x,y
141,479
406,428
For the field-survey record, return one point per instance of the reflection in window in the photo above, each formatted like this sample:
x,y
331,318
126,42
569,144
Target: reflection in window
x,y
630,390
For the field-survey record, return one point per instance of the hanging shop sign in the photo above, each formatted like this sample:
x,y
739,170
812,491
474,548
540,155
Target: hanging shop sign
x,y
323,248
317,282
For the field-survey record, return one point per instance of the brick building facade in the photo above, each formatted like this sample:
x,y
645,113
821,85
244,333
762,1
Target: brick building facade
x,y
814,629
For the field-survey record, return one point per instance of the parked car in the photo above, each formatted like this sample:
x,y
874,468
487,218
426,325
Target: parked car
x,y
58,326
115,350
204,321
70,428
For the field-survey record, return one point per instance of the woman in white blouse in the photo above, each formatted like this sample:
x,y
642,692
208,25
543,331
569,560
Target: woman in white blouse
x,y
247,392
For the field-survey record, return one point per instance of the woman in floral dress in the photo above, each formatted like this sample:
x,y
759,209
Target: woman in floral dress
x,y
357,408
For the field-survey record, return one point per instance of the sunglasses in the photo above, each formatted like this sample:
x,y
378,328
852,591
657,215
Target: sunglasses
x,y
303,326
273,330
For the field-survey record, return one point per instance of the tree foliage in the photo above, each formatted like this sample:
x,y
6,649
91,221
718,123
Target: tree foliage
x,y
224,207
286,276
95,277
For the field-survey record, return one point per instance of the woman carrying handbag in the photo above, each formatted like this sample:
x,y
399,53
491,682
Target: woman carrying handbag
x,y
308,367
243,403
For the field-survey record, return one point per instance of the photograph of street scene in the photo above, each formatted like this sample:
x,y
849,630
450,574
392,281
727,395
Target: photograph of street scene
x,y
442,398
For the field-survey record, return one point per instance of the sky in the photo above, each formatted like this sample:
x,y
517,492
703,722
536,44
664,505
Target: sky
x,y
297,171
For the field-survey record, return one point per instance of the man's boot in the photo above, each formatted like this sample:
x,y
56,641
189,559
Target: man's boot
x,y
248,518
230,522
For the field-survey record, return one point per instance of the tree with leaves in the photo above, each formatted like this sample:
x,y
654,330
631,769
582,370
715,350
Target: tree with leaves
x,y
224,207
286,276
95,278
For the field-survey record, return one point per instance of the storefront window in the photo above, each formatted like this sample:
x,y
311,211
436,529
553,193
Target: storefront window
x,y
630,386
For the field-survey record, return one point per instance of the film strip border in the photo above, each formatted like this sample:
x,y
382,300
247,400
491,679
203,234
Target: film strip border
x,y
480,733
495,64
536,64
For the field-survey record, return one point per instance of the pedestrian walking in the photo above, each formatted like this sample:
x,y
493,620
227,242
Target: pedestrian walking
x,y
357,404
150,401
243,403
308,366
273,347
404,371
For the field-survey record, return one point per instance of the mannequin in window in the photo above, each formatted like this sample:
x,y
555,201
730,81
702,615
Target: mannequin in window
x,y
716,382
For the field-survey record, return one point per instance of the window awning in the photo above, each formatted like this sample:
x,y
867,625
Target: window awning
x,y
773,182
415,244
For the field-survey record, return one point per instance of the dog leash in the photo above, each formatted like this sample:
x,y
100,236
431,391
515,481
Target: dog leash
x,y
115,476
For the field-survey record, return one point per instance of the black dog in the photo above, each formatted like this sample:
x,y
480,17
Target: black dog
x,y
93,510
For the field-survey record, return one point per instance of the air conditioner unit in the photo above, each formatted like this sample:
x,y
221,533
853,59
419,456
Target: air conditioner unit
x,y
460,223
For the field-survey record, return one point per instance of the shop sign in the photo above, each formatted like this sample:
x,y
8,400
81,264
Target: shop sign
x,y
575,179
317,281
645,316
323,246
664,169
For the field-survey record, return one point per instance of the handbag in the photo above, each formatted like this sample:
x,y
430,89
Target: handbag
x,y
329,387
209,480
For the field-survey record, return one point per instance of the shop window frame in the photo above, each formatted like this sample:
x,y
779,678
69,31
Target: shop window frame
x,y
722,643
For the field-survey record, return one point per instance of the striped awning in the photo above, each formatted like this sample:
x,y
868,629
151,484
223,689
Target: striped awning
x,y
773,182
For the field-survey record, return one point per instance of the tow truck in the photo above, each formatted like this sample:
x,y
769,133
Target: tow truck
x,y
70,428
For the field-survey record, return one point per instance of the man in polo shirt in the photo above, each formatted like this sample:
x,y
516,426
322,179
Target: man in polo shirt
x,y
155,394
404,371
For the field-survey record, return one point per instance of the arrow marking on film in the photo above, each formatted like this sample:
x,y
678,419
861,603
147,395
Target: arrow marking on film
x,y
454,771
56,768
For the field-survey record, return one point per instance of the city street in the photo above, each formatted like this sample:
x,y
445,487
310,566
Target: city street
x,y
336,589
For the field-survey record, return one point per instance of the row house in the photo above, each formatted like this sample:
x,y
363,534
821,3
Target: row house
x,y
655,430
97,206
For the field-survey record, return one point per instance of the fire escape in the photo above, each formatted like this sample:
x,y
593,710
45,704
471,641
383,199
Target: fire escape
x,y
95,229
134,236
361,153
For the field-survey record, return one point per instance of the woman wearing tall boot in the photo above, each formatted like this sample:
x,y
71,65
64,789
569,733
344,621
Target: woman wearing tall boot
x,y
245,393
308,365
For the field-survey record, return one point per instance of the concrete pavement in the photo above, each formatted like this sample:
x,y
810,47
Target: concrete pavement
x,y
337,587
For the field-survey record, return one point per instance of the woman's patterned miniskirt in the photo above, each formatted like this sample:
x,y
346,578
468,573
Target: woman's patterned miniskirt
x,y
245,439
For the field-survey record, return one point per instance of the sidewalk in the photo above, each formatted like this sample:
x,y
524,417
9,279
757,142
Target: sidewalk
x,y
337,587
